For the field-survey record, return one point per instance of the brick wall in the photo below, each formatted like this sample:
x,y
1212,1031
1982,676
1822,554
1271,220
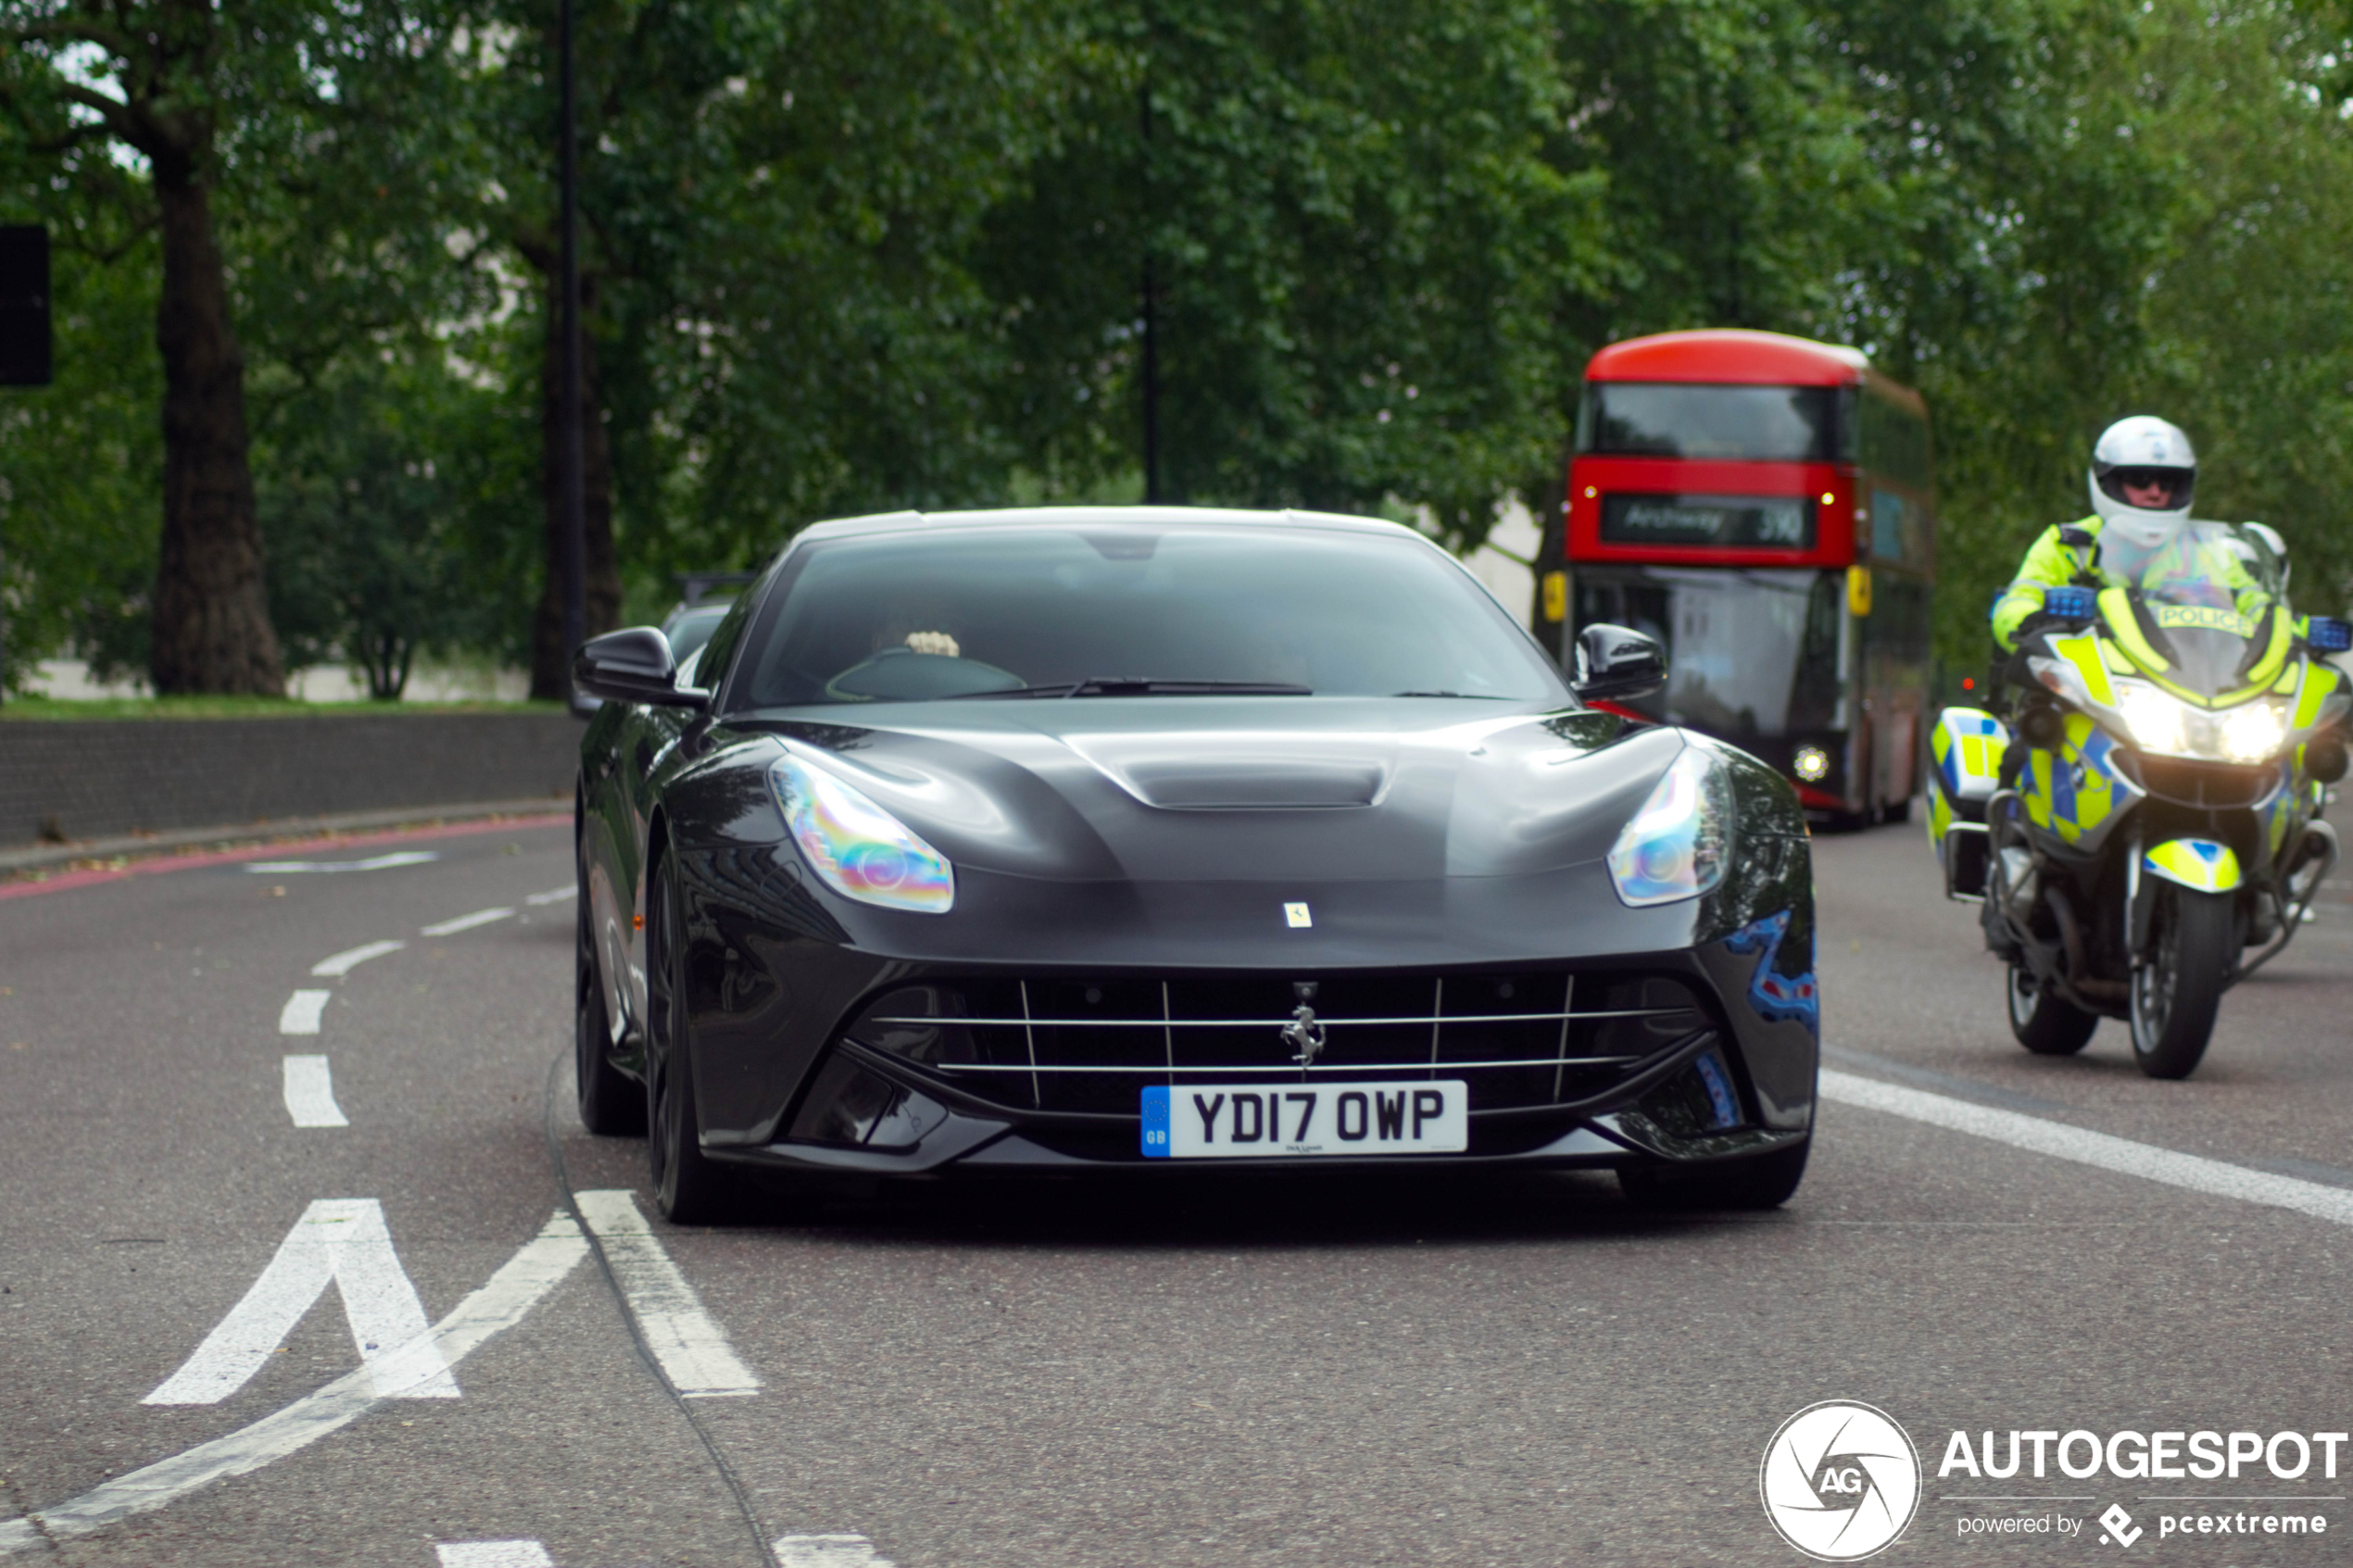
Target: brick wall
x,y
97,778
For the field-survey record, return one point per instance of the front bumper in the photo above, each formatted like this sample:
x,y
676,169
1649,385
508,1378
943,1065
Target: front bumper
x,y
1626,1085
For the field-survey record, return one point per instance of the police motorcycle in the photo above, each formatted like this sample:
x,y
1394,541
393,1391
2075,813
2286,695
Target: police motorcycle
x,y
2144,831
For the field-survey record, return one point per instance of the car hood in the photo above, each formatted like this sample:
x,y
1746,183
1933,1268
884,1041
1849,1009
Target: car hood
x,y
1209,789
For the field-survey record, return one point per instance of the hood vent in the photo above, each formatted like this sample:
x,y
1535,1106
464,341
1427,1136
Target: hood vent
x,y
1231,771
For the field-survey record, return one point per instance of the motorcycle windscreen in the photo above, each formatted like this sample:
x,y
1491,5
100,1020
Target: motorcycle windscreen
x,y
2200,599
1750,654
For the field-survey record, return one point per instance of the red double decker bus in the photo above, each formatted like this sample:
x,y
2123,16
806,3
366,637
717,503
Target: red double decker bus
x,y
1765,506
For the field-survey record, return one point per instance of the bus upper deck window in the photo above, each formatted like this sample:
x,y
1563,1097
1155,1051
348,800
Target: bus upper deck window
x,y
1727,423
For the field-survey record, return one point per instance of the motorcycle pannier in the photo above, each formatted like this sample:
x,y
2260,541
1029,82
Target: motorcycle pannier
x,y
1965,749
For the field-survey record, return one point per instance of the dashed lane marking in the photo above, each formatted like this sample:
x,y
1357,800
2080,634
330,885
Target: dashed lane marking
x,y
300,1015
342,1242
493,1554
343,963
464,922
829,1551
518,1285
377,864
2189,1172
310,1092
553,895
694,1354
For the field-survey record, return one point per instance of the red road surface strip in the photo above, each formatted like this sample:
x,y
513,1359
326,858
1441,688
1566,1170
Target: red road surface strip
x,y
65,881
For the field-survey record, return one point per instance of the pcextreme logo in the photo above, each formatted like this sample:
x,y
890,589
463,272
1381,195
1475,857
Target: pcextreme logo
x,y
1840,1481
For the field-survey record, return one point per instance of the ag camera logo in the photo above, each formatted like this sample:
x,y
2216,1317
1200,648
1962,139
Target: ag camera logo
x,y
1840,1481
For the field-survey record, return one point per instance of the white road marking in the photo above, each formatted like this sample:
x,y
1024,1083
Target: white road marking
x,y
518,1285
381,862
493,1554
343,964
829,1551
553,895
300,1015
465,922
310,1092
2190,1172
694,1354
338,1241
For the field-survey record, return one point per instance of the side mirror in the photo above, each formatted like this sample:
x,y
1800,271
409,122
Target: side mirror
x,y
633,665
1617,664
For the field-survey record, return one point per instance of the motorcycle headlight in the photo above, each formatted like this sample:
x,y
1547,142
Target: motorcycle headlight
x,y
1674,846
2254,733
856,847
2158,721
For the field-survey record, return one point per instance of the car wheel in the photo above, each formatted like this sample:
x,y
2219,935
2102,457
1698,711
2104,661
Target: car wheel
x,y
2044,1024
690,1188
1756,1181
611,1106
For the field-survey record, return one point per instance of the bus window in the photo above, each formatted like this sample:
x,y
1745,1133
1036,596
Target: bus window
x,y
1771,424
1894,441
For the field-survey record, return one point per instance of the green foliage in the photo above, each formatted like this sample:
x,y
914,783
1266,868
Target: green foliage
x,y
367,495
851,258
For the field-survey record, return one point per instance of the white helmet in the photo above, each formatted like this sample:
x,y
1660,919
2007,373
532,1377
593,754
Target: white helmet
x,y
2141,452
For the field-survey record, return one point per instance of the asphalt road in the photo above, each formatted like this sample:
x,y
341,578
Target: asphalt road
x,y
1316,1372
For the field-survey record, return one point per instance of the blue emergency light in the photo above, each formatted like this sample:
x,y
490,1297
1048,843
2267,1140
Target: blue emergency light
x,y
2070,604
2326,634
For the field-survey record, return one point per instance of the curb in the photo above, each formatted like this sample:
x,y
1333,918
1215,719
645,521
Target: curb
x,y
38,857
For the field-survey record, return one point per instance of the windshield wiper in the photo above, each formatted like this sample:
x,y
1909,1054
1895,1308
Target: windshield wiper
x,y
1140,685
1476,697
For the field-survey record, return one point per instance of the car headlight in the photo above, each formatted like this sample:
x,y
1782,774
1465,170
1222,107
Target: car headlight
x,y
1675,846
856,847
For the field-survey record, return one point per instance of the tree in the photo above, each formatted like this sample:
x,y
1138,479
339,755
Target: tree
x,y
211,100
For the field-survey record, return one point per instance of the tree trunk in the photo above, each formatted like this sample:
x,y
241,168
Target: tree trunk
x,y
211,614
551,661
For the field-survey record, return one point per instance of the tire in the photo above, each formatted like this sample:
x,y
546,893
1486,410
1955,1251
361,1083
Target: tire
x,y
610,1105
690,1188
2044,1024
2178,987
1756,1181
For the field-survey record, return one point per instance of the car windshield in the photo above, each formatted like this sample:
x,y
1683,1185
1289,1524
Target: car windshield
x,y
1132,609
2200,591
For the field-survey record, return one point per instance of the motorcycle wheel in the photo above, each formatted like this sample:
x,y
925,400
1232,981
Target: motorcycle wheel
x,y
2044,1024
2177,986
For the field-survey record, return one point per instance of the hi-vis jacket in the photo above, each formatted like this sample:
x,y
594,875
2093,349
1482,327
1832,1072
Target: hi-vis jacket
x,y
2069,552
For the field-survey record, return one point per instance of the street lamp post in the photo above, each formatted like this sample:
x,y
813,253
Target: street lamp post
x,y
571,523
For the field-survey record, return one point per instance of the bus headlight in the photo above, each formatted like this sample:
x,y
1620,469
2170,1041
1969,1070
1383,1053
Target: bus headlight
x,y
1811,763
1674,846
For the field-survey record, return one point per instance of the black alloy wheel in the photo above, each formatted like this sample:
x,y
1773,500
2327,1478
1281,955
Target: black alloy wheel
x,y
2043,1022
1756,1181
611,1106
2178,983
690,1188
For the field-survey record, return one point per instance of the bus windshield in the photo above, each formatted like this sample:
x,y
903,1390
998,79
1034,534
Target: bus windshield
x,y
1773,425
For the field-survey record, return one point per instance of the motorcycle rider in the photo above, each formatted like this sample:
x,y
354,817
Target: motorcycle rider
x,y
2143,475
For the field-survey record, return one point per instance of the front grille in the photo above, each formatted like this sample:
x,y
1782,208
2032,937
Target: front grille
x,y
1089,1045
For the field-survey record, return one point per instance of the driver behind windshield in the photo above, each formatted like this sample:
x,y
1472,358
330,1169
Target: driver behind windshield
x,y
2142,477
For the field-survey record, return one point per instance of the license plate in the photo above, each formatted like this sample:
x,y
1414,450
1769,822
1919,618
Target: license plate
x,y
1261,1120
